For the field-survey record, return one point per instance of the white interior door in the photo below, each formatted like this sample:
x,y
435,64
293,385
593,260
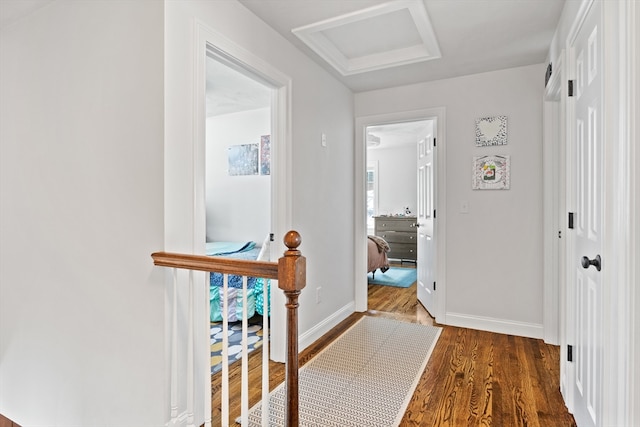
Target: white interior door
x,y
425,222
586,52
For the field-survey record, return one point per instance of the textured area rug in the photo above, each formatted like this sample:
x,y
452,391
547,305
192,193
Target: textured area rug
x,y
254,341
364,378
395,276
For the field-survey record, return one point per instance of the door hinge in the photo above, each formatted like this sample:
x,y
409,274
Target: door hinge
x,y
434,213
434,286
570,88
571,219
569,353
434,142
271,239
547,74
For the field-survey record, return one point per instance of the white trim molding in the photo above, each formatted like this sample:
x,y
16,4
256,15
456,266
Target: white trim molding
x,y
633,35
348,60
619,257
553,192
330,322
492,324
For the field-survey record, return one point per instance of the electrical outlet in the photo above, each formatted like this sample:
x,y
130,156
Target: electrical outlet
x,y
318,294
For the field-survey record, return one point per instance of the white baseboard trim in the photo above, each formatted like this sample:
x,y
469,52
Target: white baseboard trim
x,y
179,421
310,336
491,324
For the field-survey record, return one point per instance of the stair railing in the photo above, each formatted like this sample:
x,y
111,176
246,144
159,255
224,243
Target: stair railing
x,y
290,271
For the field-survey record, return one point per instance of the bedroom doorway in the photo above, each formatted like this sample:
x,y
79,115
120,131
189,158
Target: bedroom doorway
x,y
245,177
396,174
238,164
398,193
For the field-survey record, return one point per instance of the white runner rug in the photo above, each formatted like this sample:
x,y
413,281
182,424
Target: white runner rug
x,y
366,377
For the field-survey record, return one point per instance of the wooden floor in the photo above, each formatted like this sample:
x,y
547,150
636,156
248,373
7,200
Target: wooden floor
x,y
473,378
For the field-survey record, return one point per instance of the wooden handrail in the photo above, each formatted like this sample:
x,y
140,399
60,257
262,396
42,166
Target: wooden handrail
x,y
290,271
240,267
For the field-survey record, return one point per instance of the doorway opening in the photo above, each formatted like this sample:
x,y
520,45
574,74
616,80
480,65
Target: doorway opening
x,y
237,149
400,196
243,182
391,177
237,190
389,185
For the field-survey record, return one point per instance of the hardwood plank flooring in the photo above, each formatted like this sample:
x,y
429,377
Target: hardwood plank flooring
x,y
473,378
6,422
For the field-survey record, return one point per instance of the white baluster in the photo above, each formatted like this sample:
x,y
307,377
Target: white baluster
x,y
265,353
244,403
190,355
224,308
174,349
207,361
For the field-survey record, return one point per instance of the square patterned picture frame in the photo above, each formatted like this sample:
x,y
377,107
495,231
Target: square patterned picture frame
x,y
491,173
491,131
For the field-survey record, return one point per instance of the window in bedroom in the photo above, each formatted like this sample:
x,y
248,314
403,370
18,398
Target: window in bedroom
x,y
372,194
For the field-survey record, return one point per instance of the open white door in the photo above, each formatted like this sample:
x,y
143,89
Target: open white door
x,y
425,223
586,54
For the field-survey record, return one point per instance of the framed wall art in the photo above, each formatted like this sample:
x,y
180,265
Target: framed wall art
x,y
265,155
243,159
491,173
491,131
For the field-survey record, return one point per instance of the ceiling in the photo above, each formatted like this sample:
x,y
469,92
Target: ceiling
x,y
472,36
230,90
375,44
395,135
13,10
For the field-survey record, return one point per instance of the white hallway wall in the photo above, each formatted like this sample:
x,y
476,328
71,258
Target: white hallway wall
x,y
397,178
237,206
81,210
494,253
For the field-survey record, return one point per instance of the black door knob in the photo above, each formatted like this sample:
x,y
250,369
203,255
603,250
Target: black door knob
x,y
586,262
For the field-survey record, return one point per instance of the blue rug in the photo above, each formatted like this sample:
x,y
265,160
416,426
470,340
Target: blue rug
x,y
395,276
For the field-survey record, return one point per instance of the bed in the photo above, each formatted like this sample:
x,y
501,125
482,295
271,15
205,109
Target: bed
x,y
377,249
233,305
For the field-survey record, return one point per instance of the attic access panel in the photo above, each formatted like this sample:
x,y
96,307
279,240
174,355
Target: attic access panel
x,y
382,36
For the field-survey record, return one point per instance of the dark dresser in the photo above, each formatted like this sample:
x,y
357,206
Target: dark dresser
x,y
401,234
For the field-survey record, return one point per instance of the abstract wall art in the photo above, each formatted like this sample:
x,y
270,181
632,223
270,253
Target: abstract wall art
x,y
243,159
265,155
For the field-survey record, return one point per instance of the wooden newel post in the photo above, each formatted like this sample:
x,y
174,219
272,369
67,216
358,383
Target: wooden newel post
x,y
292,277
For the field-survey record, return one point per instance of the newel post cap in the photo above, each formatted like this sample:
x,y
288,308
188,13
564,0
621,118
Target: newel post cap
x,y
292,267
